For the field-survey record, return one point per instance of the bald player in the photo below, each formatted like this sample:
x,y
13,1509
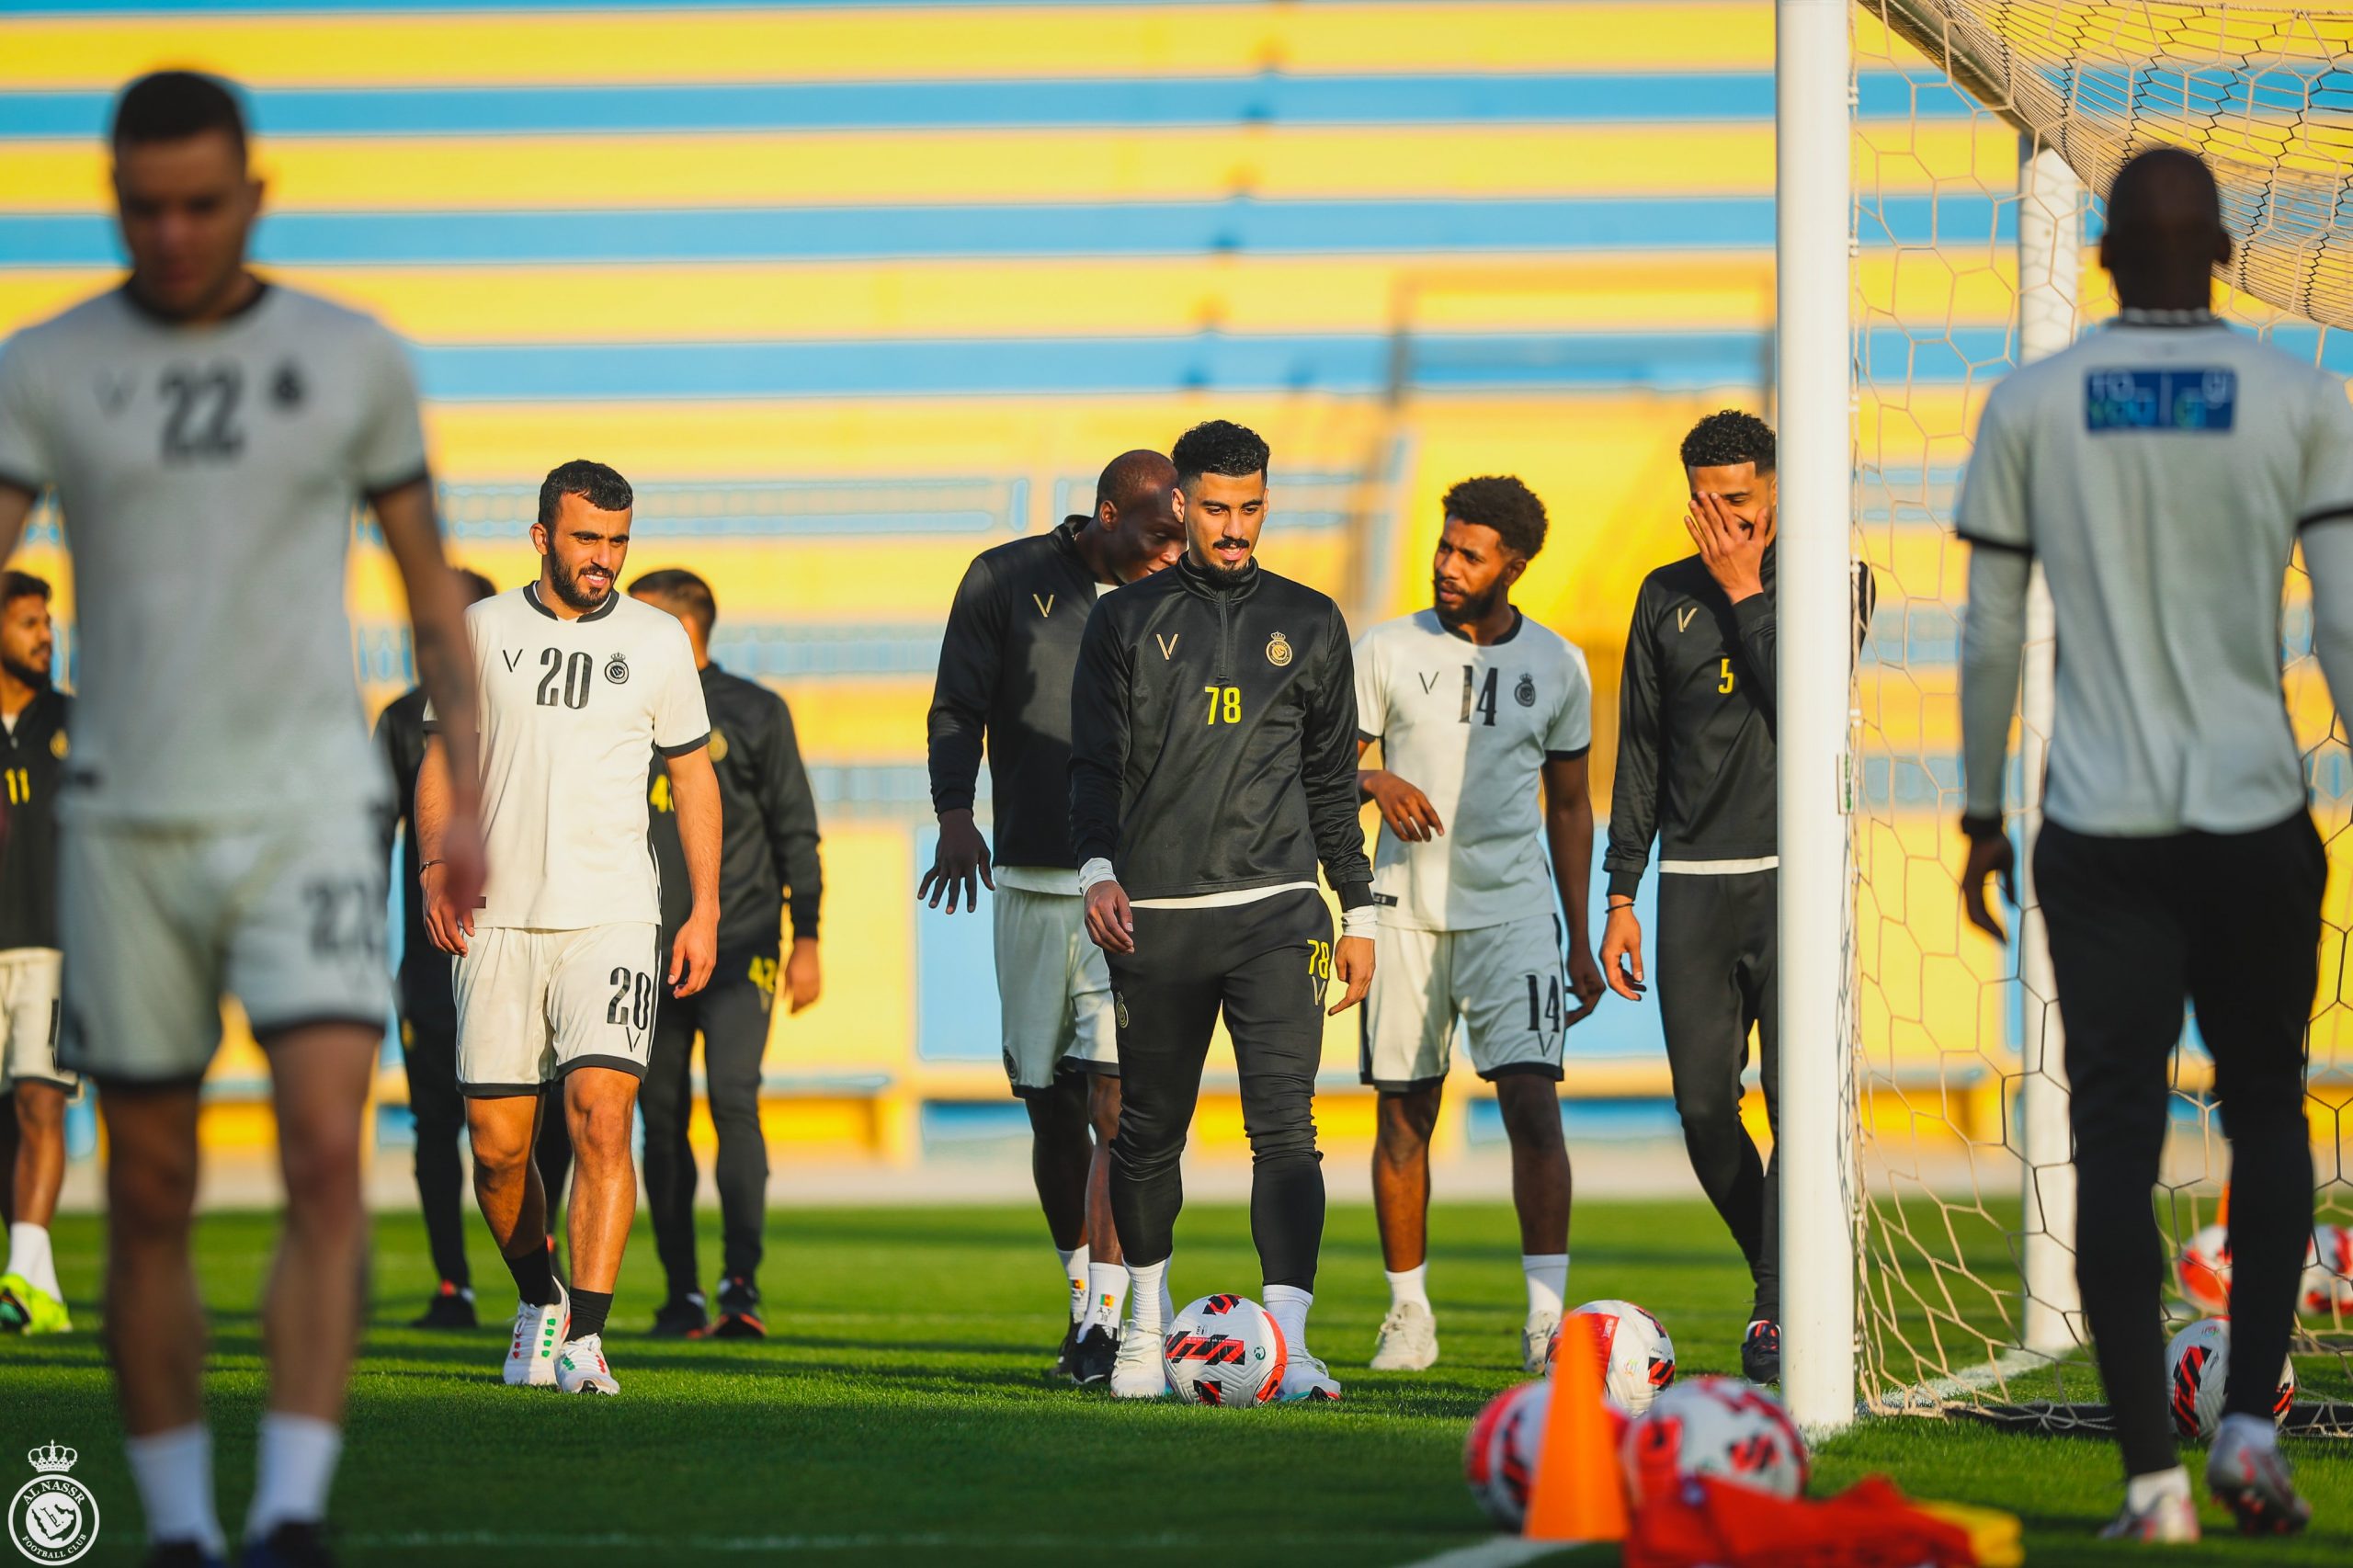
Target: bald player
x,y
2164,470
1005,680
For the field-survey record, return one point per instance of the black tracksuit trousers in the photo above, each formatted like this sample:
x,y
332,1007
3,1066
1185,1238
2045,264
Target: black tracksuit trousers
x,y
1718,977
2230,924
731,1016
1265,963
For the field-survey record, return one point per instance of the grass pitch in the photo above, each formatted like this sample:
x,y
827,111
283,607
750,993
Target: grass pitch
x,y
901,1410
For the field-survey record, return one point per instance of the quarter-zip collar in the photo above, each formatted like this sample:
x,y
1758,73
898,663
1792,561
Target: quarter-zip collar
x,y
1216,586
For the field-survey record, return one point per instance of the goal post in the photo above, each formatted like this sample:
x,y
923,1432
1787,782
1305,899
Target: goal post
x,y
1814,1141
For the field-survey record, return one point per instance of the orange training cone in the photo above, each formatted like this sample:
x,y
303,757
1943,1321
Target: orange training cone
x,y
1580,1490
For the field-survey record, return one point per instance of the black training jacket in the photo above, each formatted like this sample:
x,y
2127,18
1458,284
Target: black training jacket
x,y
32,758
1213,737
425,968
768,819
1695,723
1004,672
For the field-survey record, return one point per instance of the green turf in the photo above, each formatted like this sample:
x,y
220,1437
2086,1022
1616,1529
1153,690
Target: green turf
x,y
900,1413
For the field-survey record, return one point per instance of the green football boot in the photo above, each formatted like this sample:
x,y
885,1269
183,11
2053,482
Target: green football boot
x,y
24,1309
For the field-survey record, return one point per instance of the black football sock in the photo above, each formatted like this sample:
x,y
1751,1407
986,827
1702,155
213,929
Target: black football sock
x,y
589,1309
534,1272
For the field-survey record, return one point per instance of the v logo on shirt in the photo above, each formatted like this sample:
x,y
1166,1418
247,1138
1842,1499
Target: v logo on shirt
x,y
513,659
1683,616
1045,605
1168,643
1429,684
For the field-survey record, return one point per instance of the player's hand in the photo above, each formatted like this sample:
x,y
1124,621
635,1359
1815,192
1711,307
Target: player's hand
x,y
960,865
1732,552
695,953
1621,952
1110,921
452,885
803,978
1584,980
1403,807
1990,856
1352,962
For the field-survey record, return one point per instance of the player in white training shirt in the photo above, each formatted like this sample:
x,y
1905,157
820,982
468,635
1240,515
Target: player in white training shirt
x,y
1476,707
208,436
559,970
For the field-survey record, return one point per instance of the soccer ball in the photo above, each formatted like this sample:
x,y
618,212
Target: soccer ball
x,y
1637,1357
1226,1350
2197,1363
1718,1426
1500,1453
2203,1269
2328,1272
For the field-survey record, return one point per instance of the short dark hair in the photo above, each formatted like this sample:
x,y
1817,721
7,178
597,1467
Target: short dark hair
x,y
172,106
688,596
1500,502
473,587
1727,438
600,486
1220,446
15,586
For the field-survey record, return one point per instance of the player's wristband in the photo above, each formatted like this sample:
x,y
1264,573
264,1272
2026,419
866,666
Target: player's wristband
x,y
428,865
1362,921
1982,827
1095,871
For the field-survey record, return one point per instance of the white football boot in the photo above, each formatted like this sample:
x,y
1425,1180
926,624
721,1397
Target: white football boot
x,y
1536,1342
1307,1379
1140,1368
580,1367
2256,1484
2169,1521
1408,1339
539,1334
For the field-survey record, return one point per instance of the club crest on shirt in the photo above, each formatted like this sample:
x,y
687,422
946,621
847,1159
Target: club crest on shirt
x,y
286,388
1525,692
617,670
1119,1009
57,745
718,747
1277,650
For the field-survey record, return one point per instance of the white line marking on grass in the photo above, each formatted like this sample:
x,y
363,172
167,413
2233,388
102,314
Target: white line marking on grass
x,y
1934,1395
671,1545
1503,1551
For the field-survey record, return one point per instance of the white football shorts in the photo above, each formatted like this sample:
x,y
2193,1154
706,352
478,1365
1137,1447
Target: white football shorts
x,y
1052,988
160,919
1505,983
532,1006
29,979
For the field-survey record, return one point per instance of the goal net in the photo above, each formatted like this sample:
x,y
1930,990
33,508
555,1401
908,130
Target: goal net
x,y
1978,127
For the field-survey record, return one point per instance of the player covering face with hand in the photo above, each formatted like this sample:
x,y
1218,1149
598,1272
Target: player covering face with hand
x,y
1212,767
559,972
1484,719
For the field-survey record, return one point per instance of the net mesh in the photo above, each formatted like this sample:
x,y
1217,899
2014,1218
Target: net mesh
x,y
1965,1286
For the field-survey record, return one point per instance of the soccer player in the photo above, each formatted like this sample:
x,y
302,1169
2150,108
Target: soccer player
x,y
1213,757
1696,772
768,850
1004,681
37,718
2164,470
429,1016
559,969
209,435
1481,714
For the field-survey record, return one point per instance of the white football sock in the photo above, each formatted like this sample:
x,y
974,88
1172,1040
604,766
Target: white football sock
x,y
174,1473
1148,1296
2255,1431
1075,1266
294,1469
2143,1493
29,1255
1107,1294
1167,1302
1548,1280
1288,1304
1409,1285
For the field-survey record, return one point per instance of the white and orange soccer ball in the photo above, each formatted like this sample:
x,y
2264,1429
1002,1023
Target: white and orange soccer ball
x,y
1499,1455
1723,1427
1637,1357
2197,1363
2203,1269
1225,1351
2329,1273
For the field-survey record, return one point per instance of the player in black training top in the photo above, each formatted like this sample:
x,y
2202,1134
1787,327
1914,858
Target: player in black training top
x,y
429,1033
1695,771
35,716
768,847
1213,757
1005,678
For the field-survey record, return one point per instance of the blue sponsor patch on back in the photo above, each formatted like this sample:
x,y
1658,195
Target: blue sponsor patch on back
x,y
2193,400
